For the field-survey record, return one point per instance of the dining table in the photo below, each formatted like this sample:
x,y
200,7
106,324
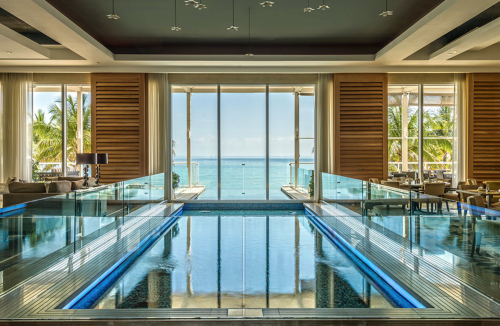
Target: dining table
x,y
487,194
416,186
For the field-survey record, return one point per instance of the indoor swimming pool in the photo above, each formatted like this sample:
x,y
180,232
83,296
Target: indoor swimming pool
x,y
242,259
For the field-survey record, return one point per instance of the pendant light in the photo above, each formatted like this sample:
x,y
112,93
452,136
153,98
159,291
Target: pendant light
x,y
267,3
323,6
308,8
387,12
249,53
200,6
191,3
233,28
113,15
175,28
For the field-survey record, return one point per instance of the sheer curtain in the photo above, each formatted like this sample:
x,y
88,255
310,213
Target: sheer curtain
x,y
157,102
460,129
16,125
325,140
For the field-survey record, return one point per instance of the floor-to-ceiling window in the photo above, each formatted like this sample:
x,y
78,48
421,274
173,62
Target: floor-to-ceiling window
x,y
61,128
421,115
244,142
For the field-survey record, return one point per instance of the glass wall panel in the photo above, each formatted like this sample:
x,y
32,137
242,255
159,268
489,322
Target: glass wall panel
x,y
47,131
305,182
243,142
403,129
78,122
439,105
204,140
281,139
180,181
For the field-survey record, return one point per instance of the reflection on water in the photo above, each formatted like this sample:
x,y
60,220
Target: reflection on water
x,y
242,262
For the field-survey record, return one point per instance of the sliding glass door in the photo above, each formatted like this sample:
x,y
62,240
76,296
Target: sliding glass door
x,y
243,142
420,130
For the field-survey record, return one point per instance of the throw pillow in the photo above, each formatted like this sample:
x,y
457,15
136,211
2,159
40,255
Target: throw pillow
x,y
59,187
11,179
75,185
92,181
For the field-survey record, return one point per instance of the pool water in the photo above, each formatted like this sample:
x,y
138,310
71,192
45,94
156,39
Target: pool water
x,y
218,259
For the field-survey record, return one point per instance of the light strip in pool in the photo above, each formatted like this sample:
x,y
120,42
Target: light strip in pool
x,y
230,260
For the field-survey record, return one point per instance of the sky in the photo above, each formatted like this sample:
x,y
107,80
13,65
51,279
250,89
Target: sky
x,y
243,125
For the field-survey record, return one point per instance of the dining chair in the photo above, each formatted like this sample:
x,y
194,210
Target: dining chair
x,y
471,182
435,189
374,180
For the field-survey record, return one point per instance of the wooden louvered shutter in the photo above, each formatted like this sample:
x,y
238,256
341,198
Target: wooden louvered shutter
x,y
119,125
361,125
484,127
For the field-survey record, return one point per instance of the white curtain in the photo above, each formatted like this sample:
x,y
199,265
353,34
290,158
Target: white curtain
x,y
158,102
16,126
325,140
460,129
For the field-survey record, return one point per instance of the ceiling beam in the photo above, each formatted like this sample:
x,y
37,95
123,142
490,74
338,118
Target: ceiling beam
x,y
444,18
16,46
487,33
45,18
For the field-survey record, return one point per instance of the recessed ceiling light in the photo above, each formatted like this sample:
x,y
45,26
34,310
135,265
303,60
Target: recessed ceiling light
x,y
267,3
9,52
453,52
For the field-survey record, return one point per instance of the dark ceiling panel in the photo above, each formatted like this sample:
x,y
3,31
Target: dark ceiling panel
x,y
348,27
23,28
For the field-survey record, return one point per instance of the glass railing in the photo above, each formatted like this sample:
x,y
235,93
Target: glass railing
x,y
304,175
115,199
39,233
454,235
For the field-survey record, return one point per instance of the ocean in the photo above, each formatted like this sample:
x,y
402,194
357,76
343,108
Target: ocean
x,y
244,178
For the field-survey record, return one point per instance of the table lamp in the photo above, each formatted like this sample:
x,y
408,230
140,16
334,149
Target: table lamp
x,y
102,158
86,159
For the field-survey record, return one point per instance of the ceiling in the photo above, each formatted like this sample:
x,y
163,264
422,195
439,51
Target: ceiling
x,y
422,36
144,27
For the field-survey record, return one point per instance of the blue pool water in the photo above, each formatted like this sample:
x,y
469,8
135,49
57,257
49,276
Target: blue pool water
x,y
222,259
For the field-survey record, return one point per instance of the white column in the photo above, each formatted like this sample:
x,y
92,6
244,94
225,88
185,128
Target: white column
x,y
188,136
297,147
79,124
404,131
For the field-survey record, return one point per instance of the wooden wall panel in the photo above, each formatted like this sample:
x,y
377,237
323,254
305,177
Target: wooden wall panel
x,y
361,125
119,128
484,127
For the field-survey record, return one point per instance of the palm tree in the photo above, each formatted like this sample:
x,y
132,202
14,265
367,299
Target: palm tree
x,y
47,133
437,123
